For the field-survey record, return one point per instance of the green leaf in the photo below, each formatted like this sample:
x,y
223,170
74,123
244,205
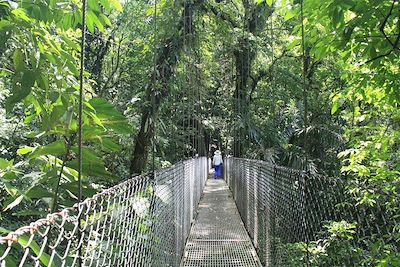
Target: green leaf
x,y
5,163
270,2
337,17
336,103
18,60
91,132
92,164
10,261
91,168
89,156
94,5
14,203
56,148
110,145
24,150
21,14
5,72
109,117
95,20
56,117
294,43
73,187
44,257
105,20
335,107
38,192
90,22
5,31
21,89
9,176
4,231
289,14
116,4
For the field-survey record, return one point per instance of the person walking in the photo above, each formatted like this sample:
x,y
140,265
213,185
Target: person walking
x,y
217,161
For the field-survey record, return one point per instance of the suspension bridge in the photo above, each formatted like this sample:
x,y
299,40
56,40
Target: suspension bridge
x,y
181,217
259,214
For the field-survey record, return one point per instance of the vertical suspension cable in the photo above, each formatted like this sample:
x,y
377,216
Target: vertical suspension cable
x,y
248,66
80,125
233,79
307,258
240,88
176,110
184,108
304,85
191,70
198,114
153,141
153,180
272,63
185,95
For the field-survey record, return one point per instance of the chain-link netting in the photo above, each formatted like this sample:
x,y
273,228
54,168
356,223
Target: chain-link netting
x,y
140,222
295,219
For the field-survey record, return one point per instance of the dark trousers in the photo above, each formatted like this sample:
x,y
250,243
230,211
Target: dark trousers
x,y
217,170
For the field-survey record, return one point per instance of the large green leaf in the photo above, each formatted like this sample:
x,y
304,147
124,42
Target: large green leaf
x,y
44,257
91,168
38,192
94,20
15,202
73,188
92,164
21,88
109,145
88,155
18,60
109,117
57,148
24,150
90,22
4,163
91,132
116,4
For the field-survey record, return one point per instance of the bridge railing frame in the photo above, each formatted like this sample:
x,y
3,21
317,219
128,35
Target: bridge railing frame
x,y
143,221
281,207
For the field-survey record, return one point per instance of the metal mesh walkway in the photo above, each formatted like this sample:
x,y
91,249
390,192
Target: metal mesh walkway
x,y
218,237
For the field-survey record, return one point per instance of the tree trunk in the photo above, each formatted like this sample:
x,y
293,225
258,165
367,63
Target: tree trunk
x,y
244,55
157,89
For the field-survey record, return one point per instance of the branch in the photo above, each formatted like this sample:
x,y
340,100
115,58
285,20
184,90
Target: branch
x,y
378,57
220,14
383,24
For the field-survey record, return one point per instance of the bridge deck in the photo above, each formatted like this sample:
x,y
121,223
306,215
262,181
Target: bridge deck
x,y
218,237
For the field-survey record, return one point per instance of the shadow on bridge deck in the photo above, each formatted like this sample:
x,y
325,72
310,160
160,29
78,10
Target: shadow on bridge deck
x,y
218,236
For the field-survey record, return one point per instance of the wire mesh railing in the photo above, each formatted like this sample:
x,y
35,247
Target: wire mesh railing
x,y
295,219
139,222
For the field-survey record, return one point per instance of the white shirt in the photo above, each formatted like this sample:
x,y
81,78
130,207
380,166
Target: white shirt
x,y
217,159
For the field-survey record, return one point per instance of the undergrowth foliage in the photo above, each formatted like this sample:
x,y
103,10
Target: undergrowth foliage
x,y
39,87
